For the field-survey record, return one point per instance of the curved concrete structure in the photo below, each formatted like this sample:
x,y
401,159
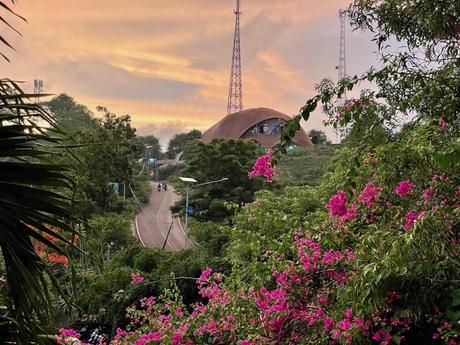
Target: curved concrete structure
x,y
259,124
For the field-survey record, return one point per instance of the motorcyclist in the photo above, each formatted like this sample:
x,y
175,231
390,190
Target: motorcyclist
x,y
159,187
165,186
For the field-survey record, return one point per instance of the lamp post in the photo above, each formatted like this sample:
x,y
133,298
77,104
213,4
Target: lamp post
x,y
147,147
189,181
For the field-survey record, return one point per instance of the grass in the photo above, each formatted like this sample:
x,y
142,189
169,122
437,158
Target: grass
x,y
304,166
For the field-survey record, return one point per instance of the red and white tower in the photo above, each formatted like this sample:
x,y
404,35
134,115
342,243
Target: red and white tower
x,y
235,89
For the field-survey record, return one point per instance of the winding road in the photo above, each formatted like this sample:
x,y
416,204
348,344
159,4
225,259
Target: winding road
x,y
151,225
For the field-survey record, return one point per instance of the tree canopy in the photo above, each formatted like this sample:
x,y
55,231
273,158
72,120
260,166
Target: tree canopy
x,y
178,143
221,158
71,116
317,137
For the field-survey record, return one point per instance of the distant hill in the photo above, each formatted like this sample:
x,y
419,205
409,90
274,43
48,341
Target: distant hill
x,y
304,166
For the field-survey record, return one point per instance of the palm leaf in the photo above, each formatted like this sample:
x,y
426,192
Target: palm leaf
x,y
3,40
28,200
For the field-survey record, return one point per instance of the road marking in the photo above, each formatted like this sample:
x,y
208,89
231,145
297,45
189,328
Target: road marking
x,y
158,213
137,232
180,225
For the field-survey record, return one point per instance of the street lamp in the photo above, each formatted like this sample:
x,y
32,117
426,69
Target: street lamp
x,y
189,181
147,147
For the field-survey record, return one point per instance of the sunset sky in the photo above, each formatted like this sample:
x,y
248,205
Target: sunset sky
x,y
167,63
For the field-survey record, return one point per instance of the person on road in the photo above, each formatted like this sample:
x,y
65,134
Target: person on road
x,y
159,187
165,187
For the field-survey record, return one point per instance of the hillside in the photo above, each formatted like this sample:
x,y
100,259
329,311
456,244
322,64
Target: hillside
x,y
304,166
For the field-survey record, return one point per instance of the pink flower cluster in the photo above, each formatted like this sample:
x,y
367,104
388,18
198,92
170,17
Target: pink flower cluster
x,y
412,217
428,195
337,206
68,336
136,278
369,194
404,188
442,122
263,167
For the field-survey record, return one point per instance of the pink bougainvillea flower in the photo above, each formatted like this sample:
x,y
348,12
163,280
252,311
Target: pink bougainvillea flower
x,y
369,194
428,195
442,122
69,333
404,188
136,278
263,167
337,206
412,217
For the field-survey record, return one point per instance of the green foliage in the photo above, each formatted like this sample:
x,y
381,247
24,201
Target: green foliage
x,y
110,229
111,291
221,158
179,142
28,173
303,166
317,137
107,155
149,146
267,225
69,115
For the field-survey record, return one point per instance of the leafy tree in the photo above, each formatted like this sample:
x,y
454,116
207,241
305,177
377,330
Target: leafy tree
x,y
317,137
149,145
221,158
178,143
107,155
70,116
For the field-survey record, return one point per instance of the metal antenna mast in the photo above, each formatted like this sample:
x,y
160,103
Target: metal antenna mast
x,y
38,89
235,89
342,67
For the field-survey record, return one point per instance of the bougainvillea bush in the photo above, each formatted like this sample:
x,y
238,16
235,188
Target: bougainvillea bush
x,y
375,263
371,255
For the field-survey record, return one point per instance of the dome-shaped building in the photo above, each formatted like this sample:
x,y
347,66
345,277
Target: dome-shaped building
x,y
259,124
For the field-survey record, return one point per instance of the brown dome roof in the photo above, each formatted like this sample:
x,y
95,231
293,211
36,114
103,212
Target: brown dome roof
x,y
233,126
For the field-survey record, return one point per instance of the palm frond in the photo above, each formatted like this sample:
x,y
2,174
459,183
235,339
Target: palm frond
x,y
3,40
29,203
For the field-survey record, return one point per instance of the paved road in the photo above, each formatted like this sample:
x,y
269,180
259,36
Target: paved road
x,y
152,223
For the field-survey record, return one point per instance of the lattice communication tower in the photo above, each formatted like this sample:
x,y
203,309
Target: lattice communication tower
x,y
342,67
235,89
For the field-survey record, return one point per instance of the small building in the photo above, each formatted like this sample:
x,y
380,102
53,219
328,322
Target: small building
x,y
262,125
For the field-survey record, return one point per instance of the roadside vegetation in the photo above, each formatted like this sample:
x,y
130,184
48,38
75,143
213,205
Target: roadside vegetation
x,y
349,244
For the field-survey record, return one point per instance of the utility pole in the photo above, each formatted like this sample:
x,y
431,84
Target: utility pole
x,y
235,89
167,235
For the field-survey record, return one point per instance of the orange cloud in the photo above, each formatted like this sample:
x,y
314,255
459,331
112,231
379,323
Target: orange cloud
x,y
166,61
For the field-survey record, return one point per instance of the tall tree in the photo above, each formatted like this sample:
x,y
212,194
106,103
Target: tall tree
x,y
221,158
69,115
178,143
149,145
317,137
107,155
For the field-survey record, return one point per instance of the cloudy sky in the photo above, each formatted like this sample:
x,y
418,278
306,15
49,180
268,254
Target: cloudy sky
x,y
167,63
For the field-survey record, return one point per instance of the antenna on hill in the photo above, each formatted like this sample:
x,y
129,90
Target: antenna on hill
x,y
38,88
235,89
